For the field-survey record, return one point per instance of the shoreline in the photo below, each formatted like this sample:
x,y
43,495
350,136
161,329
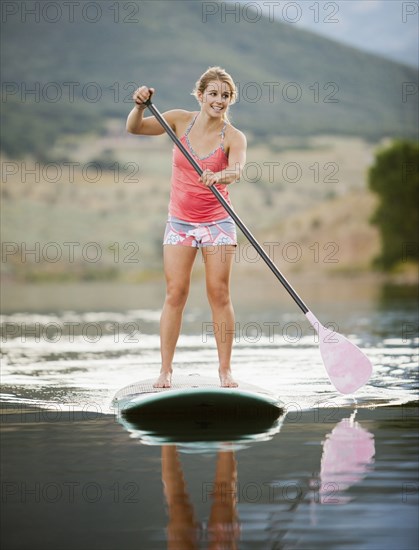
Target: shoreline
x,y
249,287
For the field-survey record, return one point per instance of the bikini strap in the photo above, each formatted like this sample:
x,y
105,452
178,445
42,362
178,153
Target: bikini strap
x,y
223,131
188,129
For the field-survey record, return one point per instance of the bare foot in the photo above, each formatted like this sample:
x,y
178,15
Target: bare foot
x,y
227,380
164,380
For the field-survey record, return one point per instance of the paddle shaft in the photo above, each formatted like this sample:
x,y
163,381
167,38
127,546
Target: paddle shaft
x,y
229,209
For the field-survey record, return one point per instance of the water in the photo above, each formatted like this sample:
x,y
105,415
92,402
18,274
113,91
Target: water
x,y
78,359
340,472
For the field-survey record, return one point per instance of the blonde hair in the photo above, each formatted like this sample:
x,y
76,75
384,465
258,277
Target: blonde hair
x,y
215,73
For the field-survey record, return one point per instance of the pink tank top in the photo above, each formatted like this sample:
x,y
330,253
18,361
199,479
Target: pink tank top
x,y
189,199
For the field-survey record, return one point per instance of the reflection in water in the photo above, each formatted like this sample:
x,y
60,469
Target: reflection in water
x,y
73,371
183,531
347,455
194,434
348,452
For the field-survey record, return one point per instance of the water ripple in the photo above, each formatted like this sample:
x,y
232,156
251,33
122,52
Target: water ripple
x,y
83,359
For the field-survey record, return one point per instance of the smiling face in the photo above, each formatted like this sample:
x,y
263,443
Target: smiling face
x,y
216,98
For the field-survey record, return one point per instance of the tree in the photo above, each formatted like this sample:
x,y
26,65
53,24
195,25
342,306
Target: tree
x,y
395,178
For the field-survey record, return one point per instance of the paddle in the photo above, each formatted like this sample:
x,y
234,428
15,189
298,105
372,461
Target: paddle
x,y
347,366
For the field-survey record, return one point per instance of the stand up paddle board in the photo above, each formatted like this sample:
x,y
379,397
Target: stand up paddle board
x,y
197,409
195,394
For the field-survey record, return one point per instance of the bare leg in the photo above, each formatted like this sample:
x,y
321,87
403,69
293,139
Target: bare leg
x,y
218,263
223,525
182,527
178,262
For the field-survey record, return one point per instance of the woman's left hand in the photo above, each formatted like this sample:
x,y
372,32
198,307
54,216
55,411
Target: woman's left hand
x,y
208,178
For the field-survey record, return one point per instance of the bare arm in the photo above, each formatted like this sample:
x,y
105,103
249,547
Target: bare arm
x,y
149,126
236,162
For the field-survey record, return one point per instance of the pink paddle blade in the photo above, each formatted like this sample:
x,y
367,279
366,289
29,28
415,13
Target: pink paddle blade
x,y
347,366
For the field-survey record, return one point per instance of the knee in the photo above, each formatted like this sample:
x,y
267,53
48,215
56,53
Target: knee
x,y
176,296
218,296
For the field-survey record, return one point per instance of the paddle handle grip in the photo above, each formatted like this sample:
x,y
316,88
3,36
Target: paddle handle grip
x,y
247,233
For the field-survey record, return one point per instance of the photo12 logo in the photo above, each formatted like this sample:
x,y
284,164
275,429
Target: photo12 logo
x,y
70,11
70,252
68,172
409,9
70,492
67,91
253,12
288,92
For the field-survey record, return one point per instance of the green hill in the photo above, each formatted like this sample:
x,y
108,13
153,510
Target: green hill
x,y
69,72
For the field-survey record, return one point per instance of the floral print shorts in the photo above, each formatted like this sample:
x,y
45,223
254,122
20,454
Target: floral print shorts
x,y
197,235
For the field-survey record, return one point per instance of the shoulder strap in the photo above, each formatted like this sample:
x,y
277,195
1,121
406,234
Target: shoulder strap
x,y
223,131
188,129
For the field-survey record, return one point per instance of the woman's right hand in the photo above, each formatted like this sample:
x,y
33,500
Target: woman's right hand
x,y
142,94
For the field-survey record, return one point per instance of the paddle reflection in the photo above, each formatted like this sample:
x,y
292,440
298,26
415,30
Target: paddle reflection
x,y
184,531
348,453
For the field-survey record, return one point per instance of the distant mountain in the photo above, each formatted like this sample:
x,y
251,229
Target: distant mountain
x,y
69,71
384,27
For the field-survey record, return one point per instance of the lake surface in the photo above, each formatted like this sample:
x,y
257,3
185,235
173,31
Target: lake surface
x,y
337,471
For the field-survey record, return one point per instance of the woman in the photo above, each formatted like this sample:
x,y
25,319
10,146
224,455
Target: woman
x,y
196,217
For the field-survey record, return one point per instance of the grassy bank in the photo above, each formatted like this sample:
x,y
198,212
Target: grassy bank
x,y
101,214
